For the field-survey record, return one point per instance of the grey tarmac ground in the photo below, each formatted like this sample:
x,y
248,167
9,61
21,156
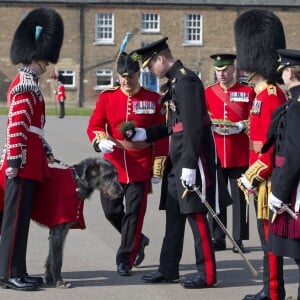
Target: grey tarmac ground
x,y
89,256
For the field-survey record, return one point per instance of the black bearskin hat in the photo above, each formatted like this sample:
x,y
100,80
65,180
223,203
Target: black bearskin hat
x,y
38,37
258,34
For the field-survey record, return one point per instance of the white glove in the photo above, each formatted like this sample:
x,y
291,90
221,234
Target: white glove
x,y
155,180
246,183
240,125
274,202
140,135
188,176
106,146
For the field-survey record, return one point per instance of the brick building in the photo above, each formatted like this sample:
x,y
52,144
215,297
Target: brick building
x,y
95,29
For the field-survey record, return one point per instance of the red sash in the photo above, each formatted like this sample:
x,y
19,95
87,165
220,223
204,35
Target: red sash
x,y
219,92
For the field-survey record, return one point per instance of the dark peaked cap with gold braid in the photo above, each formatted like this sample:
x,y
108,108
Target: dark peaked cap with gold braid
x,y
288,58
38,37
145,54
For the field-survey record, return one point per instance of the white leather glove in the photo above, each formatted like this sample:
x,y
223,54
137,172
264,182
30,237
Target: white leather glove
x,y
188,176
140,135
11,172
274,202
106,146
240,125
246,183
155,180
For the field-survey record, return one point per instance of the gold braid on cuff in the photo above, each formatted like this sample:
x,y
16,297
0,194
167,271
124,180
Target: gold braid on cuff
x,y
158,166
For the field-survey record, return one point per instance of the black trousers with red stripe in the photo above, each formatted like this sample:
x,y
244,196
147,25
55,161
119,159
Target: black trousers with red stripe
x,y
172,246
272,264
18,200
128,219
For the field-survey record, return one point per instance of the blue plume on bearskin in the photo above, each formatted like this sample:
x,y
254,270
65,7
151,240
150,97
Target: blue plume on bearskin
x,y
39,36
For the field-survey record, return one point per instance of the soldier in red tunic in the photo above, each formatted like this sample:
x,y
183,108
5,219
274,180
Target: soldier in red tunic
x,y
37,41
258,34
136,162
61,96
229,103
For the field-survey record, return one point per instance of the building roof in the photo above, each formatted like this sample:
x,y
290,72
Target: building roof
x,y
260,3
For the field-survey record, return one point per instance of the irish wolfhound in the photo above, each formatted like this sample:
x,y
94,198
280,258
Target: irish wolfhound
x,y
59,205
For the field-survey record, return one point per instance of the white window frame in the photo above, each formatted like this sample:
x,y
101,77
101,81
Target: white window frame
x,y
104,73
104,28
68,73
150,22
193,29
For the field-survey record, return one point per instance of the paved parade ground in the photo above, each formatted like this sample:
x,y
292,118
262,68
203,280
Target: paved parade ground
x,y
89,256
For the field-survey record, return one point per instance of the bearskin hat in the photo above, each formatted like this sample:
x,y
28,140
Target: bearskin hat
x,y
258,33
38,37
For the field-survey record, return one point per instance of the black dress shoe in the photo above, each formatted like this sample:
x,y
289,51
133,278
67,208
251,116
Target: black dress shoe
x,y
17,283
157,277
259,296
141,252
123,269
195,283
242,247
34,280
219,244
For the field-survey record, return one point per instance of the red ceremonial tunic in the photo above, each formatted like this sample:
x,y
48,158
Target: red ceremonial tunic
x,y
57,202
61,95
113,108
232,104
25,146
268,98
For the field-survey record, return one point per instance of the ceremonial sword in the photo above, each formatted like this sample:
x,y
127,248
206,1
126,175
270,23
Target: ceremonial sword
x,y
214,215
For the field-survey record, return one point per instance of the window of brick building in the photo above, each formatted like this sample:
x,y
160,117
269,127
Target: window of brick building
x,y
104,79
150,23
149,80
68,78
104,28
193,29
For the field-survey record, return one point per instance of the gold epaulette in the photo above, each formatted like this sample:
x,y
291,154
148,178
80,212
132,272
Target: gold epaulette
x,y
183,71
272,90
114,88
261,86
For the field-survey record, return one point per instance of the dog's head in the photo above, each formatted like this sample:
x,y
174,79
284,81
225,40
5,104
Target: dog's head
x,y
97,174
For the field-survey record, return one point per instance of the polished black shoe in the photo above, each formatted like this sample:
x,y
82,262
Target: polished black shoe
x,y
33,279
219,244
17,283
157,277
242,247
141,252
259,296
123,269
198,282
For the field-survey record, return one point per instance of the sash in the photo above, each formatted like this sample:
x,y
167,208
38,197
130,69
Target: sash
x,y
219,92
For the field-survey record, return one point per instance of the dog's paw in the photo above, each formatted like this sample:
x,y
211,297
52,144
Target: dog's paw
x,y
63,284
